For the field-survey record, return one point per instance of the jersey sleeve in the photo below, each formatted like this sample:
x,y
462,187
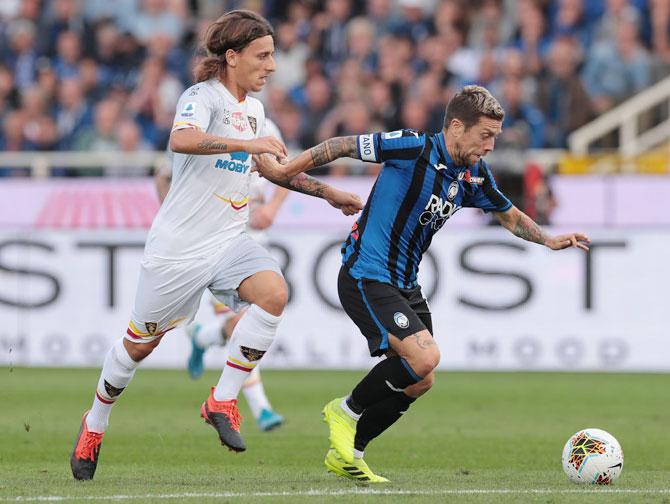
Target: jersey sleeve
x,y
194,110
485,193
379,147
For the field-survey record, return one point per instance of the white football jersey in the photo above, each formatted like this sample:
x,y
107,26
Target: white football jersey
x,y
208,202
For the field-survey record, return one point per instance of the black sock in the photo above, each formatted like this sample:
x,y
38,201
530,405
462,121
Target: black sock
x,y
389,377
379,417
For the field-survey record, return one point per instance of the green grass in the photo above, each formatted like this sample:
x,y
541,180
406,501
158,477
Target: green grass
x,y
473,431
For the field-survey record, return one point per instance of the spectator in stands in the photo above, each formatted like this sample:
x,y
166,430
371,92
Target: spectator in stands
x,y
39,128
66,62
330,32
570,20
617,69
523,125
154,17
73,114
21,55
561,97
9,96
129,140
660,33
361,44
101,137
290,56
415,24
62,16
318,98
383,106
490,26
386,20
532,38
428,90
616,11
12,139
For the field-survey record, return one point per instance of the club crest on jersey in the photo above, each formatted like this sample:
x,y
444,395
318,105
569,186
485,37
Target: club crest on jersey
x,y
251,354
238,122
252,123
151,327
401,320
452,192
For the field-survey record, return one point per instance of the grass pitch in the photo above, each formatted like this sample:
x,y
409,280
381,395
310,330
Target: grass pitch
x,y
476,437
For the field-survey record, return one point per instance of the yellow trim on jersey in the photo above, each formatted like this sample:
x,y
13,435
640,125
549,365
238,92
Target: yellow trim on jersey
x,y
232,202
137,331
243,364
185,123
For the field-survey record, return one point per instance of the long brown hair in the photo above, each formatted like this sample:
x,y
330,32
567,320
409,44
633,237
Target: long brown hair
x,y
234,30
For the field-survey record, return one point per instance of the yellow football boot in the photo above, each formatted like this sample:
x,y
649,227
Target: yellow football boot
x,y
358,470
342,429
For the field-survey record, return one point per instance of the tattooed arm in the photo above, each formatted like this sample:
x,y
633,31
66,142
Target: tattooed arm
x,y
517,222
324,153
195,141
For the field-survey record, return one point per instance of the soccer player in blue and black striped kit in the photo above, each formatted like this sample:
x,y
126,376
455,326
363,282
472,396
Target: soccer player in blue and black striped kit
x,y
424,180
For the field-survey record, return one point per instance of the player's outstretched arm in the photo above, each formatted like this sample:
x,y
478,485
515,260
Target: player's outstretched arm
x,y
349,203
324,153
195,141
524,227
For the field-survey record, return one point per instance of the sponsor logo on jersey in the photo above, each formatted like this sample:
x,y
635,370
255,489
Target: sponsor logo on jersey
x,y
469,178
401,320
238,121
436,212
252,123
440,166
226,116
452,192
392,134
237,162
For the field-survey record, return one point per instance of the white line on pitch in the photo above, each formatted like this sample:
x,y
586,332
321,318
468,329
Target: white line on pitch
x,y
334,493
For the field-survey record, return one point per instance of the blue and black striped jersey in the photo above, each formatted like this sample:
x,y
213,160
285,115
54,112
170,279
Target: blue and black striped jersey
x,y
418,189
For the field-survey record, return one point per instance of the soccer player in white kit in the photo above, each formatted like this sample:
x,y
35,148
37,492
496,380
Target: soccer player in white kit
x,y
198,239
262,211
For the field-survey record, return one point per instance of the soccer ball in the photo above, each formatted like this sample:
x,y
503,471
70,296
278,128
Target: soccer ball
x,y
592,456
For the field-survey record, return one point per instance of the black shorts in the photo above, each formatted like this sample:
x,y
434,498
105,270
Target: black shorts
x,y
379,308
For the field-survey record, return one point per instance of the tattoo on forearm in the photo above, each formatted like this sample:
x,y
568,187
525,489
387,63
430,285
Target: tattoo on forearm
x,y
423,341
213,145
334,148
528,230
305,184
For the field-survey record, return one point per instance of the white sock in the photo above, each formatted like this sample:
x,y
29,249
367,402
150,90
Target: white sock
x,y
251,338
358,454
254,393
117,371
210,334
348,411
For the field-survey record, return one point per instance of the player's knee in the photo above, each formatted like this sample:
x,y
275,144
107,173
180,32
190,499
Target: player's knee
x,y
139,351
274,299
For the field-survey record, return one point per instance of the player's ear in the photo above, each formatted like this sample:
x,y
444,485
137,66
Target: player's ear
x,y
456,127
231,58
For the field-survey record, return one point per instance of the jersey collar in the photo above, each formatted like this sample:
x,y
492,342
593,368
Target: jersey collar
x,y
221,87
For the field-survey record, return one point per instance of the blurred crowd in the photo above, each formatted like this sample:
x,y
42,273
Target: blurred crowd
x,y
102,75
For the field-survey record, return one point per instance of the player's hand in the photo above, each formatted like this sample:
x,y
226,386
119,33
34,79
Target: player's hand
x,y
349,203
262,217
269,167
576,240
269,145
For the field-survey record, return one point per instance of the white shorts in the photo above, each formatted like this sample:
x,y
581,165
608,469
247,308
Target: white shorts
x,y
169,292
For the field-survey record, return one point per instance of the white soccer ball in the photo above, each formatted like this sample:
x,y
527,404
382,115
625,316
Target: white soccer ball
x,y
592,456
